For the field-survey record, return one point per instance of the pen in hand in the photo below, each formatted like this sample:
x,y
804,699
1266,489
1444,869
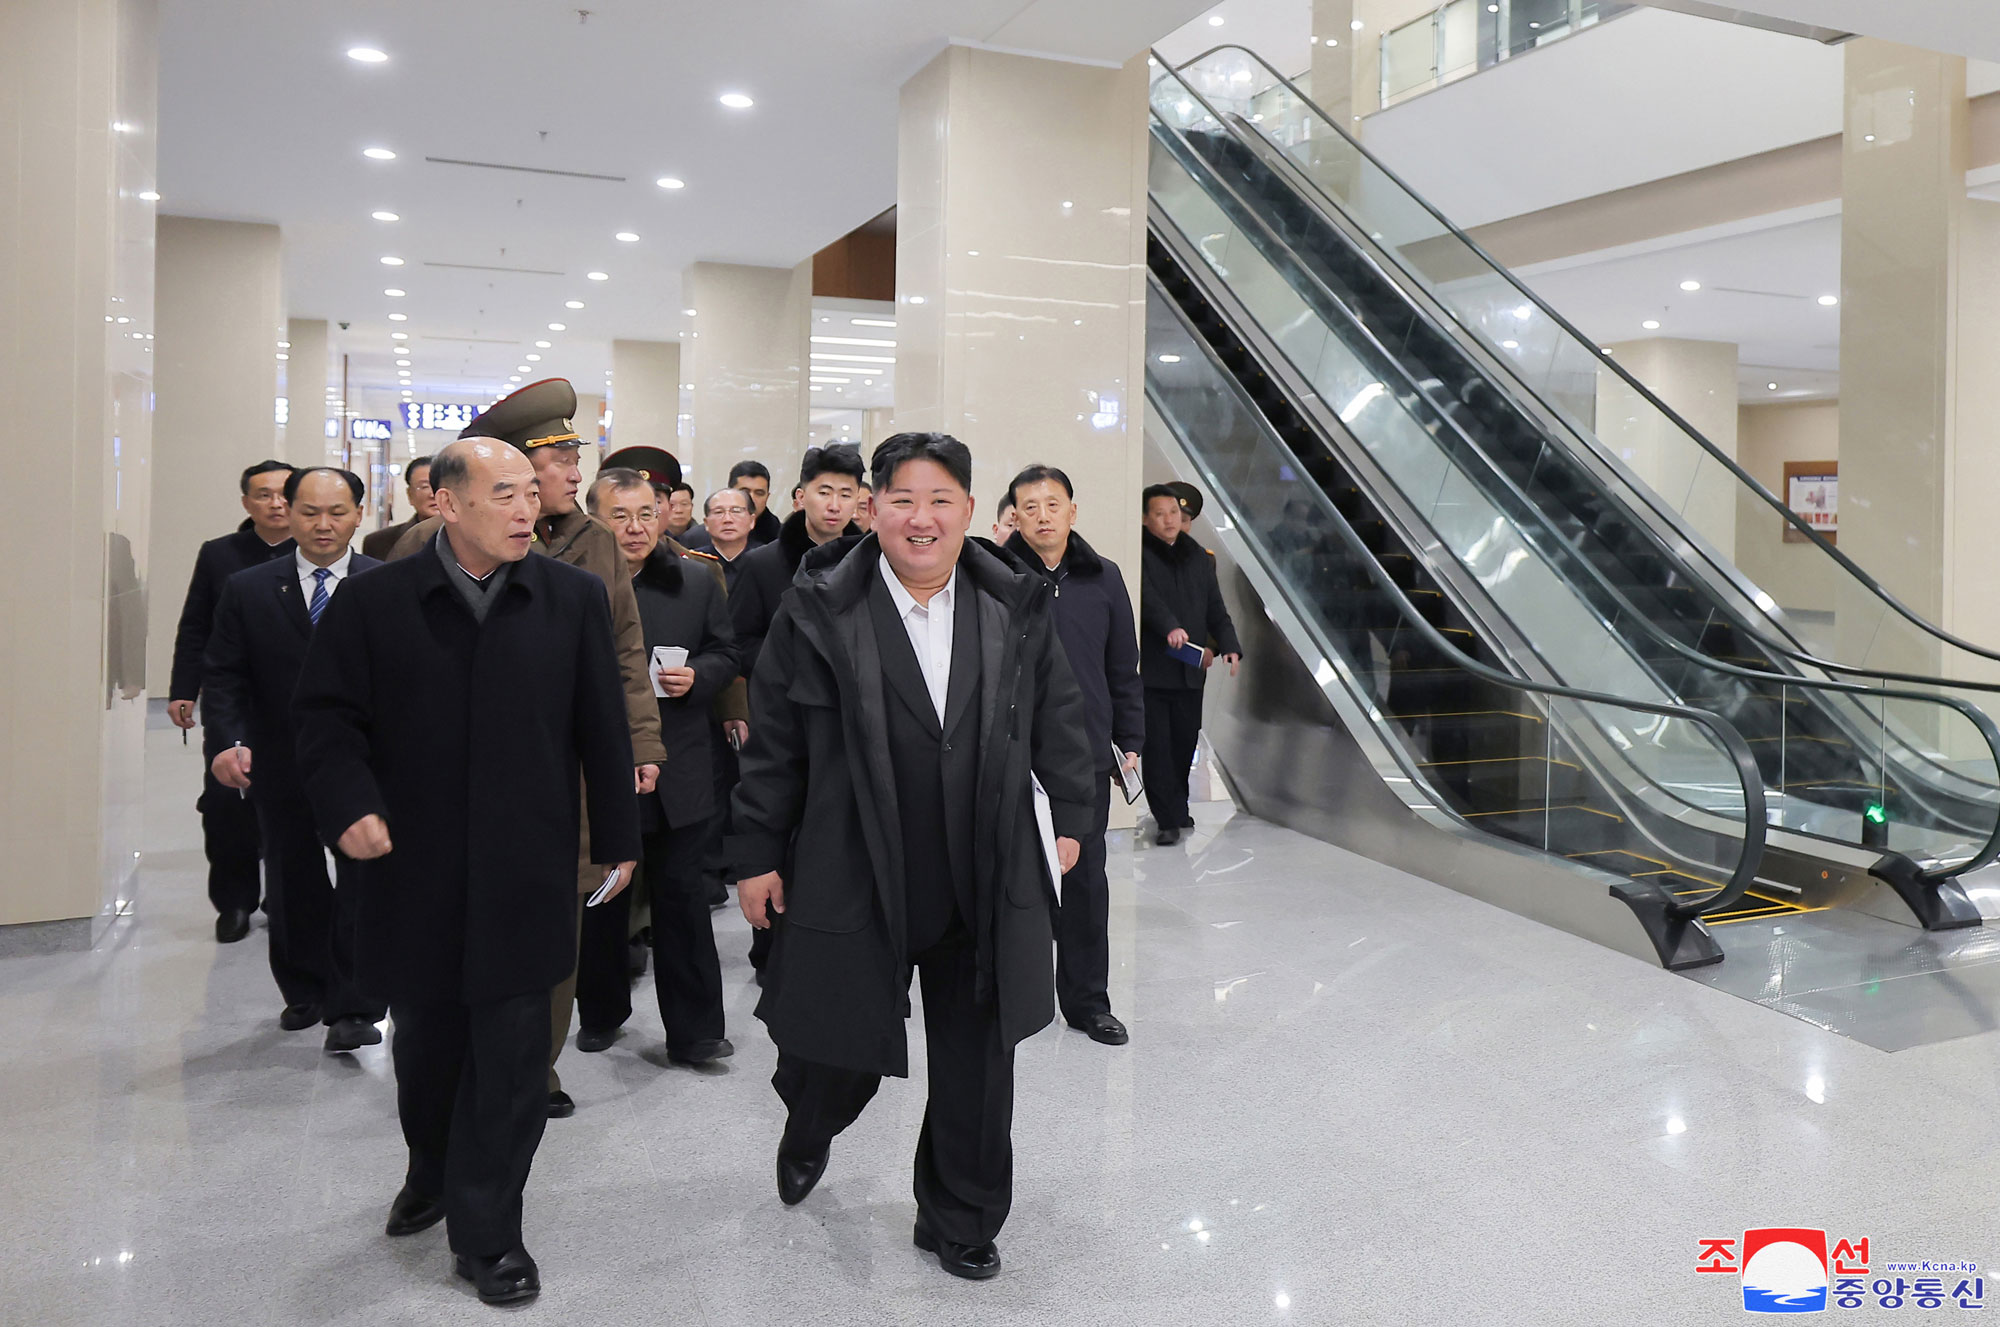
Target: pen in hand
x,y
235,746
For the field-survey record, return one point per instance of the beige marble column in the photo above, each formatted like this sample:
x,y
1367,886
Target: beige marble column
x,y
1020,275
1333,62
303,377
646,395
77,97
216,380
1697,380
745,353
1903,162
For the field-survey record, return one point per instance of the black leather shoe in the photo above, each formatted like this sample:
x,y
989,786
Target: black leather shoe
x,y
511,1278
412,1212
703,1052
350,1034
561,1105
974,1262
1103,1028
232,925
1167,838
590,1039
298,1017
798,1175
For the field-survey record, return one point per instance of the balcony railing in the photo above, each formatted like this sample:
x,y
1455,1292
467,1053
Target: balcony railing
x,y
1462,37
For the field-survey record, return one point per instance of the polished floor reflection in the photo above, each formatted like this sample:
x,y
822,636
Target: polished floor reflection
x,y
1351,1096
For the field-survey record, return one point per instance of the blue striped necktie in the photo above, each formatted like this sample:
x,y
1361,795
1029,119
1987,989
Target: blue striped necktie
x,y
318,605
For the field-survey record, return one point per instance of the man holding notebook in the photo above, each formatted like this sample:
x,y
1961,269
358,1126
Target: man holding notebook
x,y
1094,621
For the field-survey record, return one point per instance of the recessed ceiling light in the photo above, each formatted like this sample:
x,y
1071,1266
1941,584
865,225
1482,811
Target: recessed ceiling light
x,y
399,317
558,327
284,345
1829,300
385,216
408,392
572,304
598,276
670,182
532,359
399,336
394,293
402,363
1215,20
283,355
627,236
378,154
148,196
1690,285
1356,25
1170,359
1651,324
524,368
916,299
1333,41
1771,386
367,55
514,377
390,260
736,101
541,345
1510,345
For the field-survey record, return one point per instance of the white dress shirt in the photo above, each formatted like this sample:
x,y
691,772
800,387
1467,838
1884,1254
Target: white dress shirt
x,y
306,569
929,628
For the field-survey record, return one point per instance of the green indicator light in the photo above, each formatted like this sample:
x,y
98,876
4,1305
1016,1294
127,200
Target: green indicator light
x,y
1876,814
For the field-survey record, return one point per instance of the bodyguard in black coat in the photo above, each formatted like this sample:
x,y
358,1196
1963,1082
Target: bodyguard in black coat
x,y
829,487
262,628
451,706
886,808
228,825
1094,620
1180,602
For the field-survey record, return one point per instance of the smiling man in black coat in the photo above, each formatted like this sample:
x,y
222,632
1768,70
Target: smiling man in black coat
x,y
262,627
451,706
910,691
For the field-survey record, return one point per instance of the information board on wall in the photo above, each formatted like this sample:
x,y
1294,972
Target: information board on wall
x,y
438,416
1812,492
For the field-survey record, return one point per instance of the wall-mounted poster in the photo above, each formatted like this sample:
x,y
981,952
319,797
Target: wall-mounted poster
x,y
1812,491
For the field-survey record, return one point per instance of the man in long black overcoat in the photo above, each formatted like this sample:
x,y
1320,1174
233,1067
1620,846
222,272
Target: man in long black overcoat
x,y
451,707
910,691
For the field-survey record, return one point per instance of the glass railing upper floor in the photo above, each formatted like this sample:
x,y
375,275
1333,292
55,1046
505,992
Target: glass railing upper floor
x,y
1462,37
1835,616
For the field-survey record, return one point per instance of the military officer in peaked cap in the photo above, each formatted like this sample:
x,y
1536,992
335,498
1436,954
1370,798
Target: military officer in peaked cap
x,y
535,420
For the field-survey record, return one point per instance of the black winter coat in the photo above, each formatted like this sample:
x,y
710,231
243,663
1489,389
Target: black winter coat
x,y
817,802
472,742
1094,618
218,560
767,572
1178,588
252,666
681,604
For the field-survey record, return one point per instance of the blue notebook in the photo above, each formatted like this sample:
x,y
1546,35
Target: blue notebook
x,y
1189,654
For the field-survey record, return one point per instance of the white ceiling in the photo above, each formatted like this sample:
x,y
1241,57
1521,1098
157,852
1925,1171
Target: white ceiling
x,y
1278,30
264,118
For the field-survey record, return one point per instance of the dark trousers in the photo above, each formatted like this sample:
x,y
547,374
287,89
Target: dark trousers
x,y
471,1092
229,840
1173,725
1083,950
965,1153
312,922
687,976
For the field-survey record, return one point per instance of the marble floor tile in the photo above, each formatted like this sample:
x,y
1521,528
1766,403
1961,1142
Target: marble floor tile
x,y
1351,1096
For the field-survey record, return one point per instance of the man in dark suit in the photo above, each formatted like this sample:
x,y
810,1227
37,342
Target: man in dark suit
x,y
228,825
262,627
681,605
1180,604
457,700
753,480
910,692
1094,620
423,506
725,531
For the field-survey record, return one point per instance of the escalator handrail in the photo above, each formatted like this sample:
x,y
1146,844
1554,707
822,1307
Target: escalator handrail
x,y
1748,776
1981,722
1610,363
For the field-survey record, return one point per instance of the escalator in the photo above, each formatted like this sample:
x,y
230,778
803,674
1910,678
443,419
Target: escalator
x,y
1865,771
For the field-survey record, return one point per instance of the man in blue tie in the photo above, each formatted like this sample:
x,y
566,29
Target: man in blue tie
x,y
262,625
